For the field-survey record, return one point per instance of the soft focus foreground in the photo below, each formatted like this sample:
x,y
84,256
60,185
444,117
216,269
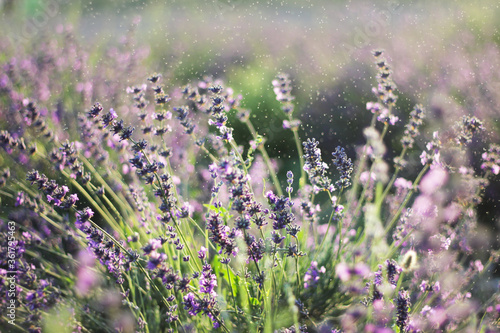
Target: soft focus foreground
x,y
137,201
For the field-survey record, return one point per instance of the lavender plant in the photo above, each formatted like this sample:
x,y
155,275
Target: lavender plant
x,y
150,217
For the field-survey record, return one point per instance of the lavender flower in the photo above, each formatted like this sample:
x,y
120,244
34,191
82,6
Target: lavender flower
x,y
53,192
433,180
344,166
289,180
202,254
392,270
207,304
403,306
282,89
109,118
256,248
345,272
182,113
412,128
312,275
467,128
491,159
95,111
314,166
86,277
280,210
432,155
221,234
219,117
161,98
208,281
384,78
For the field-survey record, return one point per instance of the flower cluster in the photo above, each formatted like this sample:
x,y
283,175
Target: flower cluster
x,y
491,159
280,210
313,274
182,113
467,128
289,181
432,155
22,282
315,167
156,258
403,307
67,157
206,303
106,250
413,126
33,118
392,270
53,192
344,166
309,211
221,234
283,88
384,92
218,112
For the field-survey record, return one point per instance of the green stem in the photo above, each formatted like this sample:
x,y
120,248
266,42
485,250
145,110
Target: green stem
x,y
266,158
101,180
362,197
232,293
393,179
298,274
325,236
98,207
139,265
359,170
8,195
178,229
400,282
298,144
237,151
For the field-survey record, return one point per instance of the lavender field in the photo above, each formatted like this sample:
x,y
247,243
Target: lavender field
x,y
249,166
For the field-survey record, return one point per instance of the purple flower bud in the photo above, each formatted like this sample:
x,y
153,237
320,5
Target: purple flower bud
x,y
202,254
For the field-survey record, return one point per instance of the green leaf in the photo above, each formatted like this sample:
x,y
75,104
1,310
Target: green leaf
x,y
254,301
221,210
